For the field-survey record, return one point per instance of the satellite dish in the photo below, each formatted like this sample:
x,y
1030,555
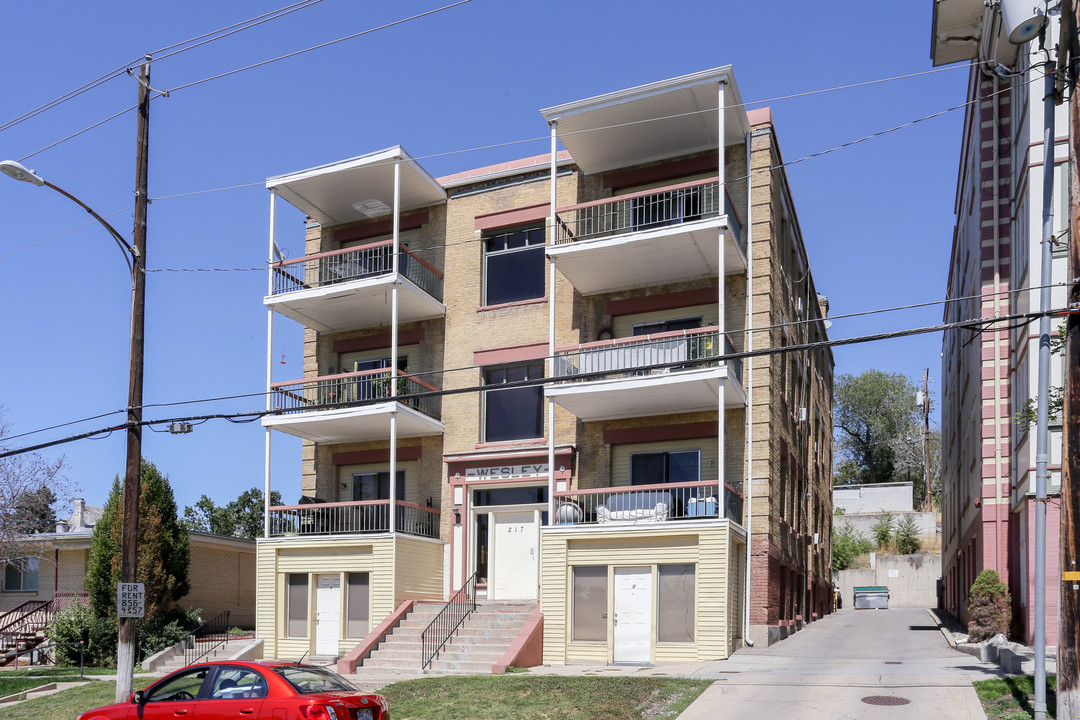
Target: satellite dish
x,y
1022,20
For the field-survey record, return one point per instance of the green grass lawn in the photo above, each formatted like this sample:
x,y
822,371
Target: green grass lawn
x,y
542,697
49,671
10,686
69,703
1012,698
518,696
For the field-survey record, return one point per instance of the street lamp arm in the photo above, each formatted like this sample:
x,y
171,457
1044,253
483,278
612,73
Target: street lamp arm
x,y
124,245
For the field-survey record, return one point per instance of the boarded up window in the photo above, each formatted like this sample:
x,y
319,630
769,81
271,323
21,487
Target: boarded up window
x,y
590,602
297,602
675,604
356,617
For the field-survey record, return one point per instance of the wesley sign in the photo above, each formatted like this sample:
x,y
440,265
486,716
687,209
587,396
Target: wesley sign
x,y
503,472
130,600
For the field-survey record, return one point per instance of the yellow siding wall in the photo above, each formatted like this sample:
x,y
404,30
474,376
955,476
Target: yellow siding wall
x,y
707,547
400,568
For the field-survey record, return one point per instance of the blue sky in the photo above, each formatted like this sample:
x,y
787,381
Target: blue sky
x,y
876,217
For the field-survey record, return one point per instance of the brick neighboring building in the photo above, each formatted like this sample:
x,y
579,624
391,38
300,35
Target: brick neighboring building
x,y
221,571
574,426
988,460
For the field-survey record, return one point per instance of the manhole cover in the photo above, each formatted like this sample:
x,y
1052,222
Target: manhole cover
x,y
885,700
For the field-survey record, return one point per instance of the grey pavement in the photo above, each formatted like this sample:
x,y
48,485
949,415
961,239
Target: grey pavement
x,y
822,672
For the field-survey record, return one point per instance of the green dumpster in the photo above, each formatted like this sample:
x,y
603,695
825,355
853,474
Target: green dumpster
x,y
871,597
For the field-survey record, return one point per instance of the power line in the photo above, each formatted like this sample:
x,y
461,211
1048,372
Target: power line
x,y
251,416
317,47
225,32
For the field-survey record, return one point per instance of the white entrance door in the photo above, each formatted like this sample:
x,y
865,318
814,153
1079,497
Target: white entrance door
x,y
633,596
327,615
514,549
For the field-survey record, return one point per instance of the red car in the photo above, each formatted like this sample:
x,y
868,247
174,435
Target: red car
x,y
269,690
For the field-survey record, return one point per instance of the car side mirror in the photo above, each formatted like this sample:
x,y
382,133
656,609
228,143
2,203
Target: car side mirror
x,y
137,697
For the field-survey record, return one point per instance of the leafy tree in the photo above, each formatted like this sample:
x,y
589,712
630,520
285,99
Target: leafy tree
x,y
33,512
1028,413
164,553
29,485
243,517
990,607
879,431
848,544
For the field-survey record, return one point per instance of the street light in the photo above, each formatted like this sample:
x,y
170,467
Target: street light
x,y
133,256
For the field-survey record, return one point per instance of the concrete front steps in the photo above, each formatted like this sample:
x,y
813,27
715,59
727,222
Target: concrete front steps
x,y
479,643
173,659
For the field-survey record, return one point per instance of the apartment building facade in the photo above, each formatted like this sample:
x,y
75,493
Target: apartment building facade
x,y
989,374
540,368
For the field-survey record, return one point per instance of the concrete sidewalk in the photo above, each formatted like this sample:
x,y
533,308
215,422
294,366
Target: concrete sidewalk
x,y
836,667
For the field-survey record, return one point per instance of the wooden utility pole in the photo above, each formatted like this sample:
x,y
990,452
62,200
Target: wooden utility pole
x,y
1068,661
125,654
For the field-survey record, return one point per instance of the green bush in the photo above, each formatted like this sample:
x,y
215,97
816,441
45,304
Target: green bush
x,y
77,624
98,636
990,607
907,536
883,530
848,544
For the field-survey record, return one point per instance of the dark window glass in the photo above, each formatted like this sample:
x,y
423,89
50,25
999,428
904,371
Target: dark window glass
x,y
665,467
513,413
307,679
511,496
376,486
667,326
181,687
237,683
514,266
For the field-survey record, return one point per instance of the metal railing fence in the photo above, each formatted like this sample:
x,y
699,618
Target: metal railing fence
x,y
628,356
364,386
446,623
344,518
206,638
637,212
349,264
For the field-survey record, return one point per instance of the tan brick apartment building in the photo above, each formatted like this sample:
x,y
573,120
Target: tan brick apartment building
x,y
539,366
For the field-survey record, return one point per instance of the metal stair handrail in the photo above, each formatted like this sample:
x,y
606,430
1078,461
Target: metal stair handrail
x,y
211,635
448,620
18,614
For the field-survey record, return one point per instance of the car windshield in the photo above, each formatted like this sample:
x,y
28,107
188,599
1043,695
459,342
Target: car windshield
x,y
308,679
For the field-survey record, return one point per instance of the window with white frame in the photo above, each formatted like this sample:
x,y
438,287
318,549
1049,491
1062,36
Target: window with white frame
x,y
514,413
21,575
514,265
357,603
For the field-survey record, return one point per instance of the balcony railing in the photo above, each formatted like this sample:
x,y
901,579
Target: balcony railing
x,y
346,518
331,391
339,266
687,202
628,356
639,504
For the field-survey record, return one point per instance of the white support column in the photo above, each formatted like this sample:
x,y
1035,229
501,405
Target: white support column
x,y
269,362
721,271
551,328
394,345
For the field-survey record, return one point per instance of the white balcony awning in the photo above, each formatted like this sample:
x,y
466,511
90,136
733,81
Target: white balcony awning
x,y
359,188
655,394
355,424
657,121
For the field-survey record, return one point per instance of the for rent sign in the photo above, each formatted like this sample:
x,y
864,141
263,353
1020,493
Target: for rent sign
x,y
130,600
